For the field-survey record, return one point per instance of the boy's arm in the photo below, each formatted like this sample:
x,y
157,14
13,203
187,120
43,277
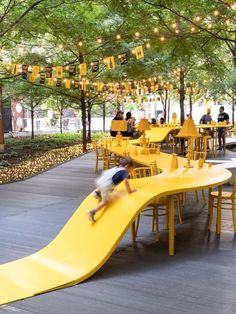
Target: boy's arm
x,y
129,190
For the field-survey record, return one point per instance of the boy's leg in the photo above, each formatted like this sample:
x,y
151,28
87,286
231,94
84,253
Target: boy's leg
x,y
97,194
105,197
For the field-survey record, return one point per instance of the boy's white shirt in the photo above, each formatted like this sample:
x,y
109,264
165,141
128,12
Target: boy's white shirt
x,y
105,180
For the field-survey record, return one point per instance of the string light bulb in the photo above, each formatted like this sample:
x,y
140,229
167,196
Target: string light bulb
x,y
162,38
118,36
80,43
148,45
60,46
99,40
155,30
216,12
137,34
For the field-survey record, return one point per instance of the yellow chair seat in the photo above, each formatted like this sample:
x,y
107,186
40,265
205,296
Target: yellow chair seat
x,y
227,195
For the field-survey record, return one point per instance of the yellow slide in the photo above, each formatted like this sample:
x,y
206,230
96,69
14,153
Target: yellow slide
x,y
81,247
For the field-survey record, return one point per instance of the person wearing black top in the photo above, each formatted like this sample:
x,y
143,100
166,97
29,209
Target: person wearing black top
x,y
222,116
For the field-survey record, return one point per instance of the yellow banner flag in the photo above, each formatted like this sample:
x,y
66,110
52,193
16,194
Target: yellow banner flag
x,y
59,71
67,83
83,69
84,85
35,71
99,86
32,78
110,63
50,81
139,52
14,69
127,88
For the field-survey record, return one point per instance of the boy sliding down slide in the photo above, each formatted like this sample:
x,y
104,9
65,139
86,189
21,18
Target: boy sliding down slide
x,y
107,182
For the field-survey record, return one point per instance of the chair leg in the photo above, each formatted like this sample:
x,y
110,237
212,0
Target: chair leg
x,y
179,209
196,194
218,216
167,219
204,197
210,210
184,198
134,228
233,214
96,165
209,193
157,223
153,218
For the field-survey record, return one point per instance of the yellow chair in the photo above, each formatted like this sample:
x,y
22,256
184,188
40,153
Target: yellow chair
x,y
109,159
99,154
227,203
142,172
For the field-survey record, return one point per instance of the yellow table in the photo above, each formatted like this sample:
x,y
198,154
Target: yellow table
x,y
214,127
157,134
163,160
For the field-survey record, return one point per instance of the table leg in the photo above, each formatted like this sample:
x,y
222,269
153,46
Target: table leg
x,y
218,218
171,225
209,192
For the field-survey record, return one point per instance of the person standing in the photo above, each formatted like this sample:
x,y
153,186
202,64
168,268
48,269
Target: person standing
x,y
222,116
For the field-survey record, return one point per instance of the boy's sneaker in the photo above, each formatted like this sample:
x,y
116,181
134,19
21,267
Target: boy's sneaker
x,y
91,214
97,195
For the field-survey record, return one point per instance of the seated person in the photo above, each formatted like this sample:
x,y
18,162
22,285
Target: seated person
x,y
206,117
130,125
119,116
162,120
153,121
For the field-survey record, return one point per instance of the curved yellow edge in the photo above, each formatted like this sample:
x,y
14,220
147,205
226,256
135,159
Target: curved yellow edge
x,y
156,134
82,247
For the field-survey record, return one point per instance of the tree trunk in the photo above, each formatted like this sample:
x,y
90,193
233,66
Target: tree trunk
x,y
190,105
181,95
165,104
61,120
83,111
168,111
233,110
89,122
32,121
104,116
1,122
181,103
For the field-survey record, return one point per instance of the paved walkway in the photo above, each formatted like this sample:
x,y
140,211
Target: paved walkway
x,y
138,278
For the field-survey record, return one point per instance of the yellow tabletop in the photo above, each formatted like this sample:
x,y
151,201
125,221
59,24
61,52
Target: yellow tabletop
x,y
157,134
212,126
163,160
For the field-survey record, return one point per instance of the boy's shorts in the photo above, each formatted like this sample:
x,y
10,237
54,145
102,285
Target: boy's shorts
x,y
106,192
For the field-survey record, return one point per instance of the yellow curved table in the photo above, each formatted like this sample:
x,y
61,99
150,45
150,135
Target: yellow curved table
x,y
81,247
157,134
163,160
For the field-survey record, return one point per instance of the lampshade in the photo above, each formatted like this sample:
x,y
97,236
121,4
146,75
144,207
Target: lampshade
x,y
188,129
174,115
119,125
144,125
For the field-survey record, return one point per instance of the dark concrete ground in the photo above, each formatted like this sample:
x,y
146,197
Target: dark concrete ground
x,y
139,277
